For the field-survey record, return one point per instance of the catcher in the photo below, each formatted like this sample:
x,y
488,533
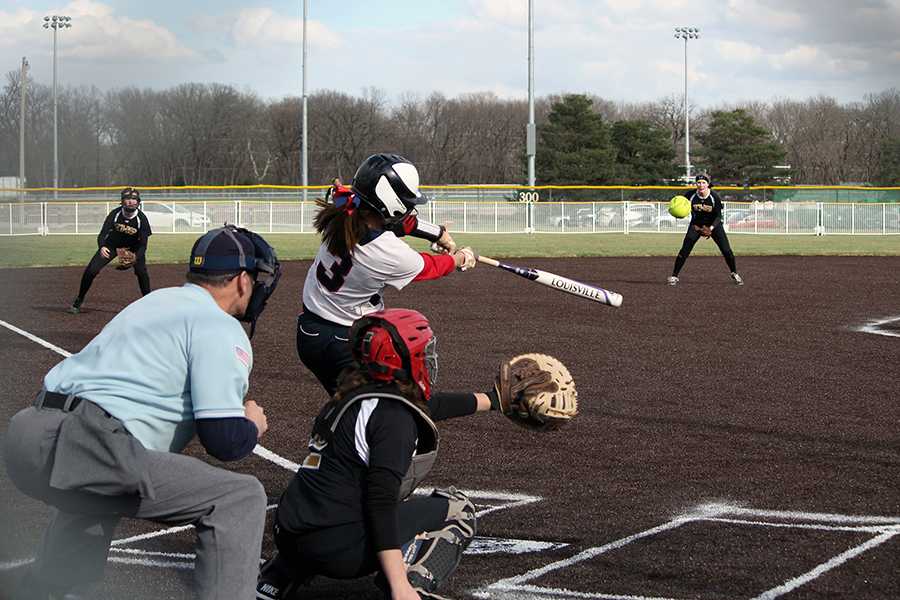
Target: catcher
x,y
706,221
124,236
347,512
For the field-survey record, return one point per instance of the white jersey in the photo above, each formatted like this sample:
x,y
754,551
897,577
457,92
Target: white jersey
x,y
343,290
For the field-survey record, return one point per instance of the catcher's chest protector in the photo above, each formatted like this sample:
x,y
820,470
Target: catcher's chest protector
x,y
426,445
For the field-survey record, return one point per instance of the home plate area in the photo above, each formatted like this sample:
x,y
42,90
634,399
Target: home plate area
x,y
172,548
705,551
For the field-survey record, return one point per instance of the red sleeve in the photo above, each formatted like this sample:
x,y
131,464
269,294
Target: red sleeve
x,y
436,266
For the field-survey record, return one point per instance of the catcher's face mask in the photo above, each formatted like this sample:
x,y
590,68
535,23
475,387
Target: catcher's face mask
x,y
131,201
396,344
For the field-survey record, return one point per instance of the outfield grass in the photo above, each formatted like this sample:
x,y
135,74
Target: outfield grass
x,y
63,250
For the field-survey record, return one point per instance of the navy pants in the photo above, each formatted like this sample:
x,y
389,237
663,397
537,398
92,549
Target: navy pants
x,y
691,237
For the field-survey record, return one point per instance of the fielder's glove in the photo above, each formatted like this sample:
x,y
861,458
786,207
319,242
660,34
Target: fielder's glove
x,y
126,259
536,391
705,230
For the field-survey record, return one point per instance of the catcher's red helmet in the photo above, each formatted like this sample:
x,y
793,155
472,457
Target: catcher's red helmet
x,y
396,344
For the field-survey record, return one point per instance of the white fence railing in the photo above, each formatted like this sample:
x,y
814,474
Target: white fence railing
x,y
794,218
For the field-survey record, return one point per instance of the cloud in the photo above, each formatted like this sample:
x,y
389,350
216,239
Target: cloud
x,y
97,34
739,51
262,27
807,60
756,13
14,25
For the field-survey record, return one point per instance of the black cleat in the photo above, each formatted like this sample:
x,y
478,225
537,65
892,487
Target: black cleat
x,y
76,306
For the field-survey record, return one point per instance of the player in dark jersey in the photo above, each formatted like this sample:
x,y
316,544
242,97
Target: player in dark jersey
x,y
125,227
347,512
706,221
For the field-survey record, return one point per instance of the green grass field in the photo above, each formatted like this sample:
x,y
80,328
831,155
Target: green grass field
x,y
67,250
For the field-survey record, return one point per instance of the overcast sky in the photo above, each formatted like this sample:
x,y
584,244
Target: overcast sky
x,y
622,50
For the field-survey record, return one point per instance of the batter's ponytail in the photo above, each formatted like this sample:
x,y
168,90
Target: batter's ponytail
x,y
341,228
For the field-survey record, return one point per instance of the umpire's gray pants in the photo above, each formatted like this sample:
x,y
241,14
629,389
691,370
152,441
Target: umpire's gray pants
x,y
228,509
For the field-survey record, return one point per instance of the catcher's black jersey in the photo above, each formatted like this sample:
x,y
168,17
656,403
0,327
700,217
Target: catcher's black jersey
x,y
706,211
120,231
357,477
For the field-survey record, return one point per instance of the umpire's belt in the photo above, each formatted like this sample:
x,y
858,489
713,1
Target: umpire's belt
x,y
64,402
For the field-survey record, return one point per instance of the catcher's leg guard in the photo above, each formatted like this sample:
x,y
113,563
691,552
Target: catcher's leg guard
x,y
436,554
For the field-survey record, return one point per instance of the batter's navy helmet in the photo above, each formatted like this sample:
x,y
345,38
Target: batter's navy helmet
x,y
389,184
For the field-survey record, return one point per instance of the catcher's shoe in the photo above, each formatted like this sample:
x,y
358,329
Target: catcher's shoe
x,y
276,581
738,280
76,306
672,280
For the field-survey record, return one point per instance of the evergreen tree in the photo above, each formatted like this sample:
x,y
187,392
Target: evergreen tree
x,y
574,145
736,149
889,163
644,153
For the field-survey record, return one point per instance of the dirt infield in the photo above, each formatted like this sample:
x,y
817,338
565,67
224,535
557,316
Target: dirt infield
x,y
733,442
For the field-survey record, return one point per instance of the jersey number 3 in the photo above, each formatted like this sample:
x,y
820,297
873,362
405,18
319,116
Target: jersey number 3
x,y
339,270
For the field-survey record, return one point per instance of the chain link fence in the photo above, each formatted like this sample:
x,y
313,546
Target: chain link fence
x,y
476,216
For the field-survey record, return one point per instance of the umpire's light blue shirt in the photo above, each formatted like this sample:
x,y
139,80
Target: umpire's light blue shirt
x,y
169,358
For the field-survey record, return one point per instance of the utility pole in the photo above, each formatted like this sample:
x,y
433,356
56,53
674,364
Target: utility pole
x,y
23,86
305,139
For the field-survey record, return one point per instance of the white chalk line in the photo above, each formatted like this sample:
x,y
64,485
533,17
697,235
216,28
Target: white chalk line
x,y
875,327
836,561
886,527
36,339
512,583
533,592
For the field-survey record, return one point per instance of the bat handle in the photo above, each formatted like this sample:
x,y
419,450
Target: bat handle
x,y
488,261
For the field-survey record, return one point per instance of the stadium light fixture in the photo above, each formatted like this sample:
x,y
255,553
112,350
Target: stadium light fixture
x,y
687,33
56,22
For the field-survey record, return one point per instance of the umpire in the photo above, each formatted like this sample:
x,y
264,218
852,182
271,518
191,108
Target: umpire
x,y
125,228
102,442
706,221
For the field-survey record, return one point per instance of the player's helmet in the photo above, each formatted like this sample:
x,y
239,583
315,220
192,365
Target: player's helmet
x,y
389,184
396,344
131,200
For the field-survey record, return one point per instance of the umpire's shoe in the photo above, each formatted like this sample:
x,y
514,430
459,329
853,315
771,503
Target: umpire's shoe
x,y
76,306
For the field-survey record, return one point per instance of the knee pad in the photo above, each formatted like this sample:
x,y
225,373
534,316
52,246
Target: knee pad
x,y
435,555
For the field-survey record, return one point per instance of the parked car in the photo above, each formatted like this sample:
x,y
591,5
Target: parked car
x,y
735,215
166,217
755,222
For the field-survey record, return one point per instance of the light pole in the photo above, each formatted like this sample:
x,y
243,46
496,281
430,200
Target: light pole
x,y
305,138
530,131
56,22
687,33
530,141
23,84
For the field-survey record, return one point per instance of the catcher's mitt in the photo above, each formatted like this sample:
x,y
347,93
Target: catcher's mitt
x,y
126,259
536,391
